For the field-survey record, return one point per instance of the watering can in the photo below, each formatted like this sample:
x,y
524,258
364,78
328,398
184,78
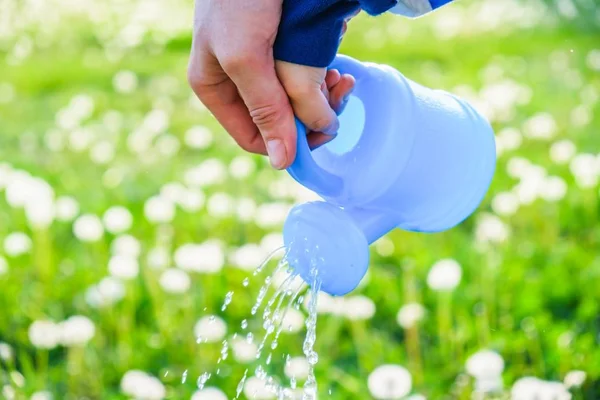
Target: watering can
x,y
405,156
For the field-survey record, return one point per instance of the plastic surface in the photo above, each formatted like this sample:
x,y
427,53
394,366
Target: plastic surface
x,y
423,162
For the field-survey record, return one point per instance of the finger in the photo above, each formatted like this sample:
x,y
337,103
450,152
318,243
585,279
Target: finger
x,y
340,93
268,105
332,78
220,96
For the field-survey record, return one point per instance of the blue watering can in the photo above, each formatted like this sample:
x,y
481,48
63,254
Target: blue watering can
x,y
405,156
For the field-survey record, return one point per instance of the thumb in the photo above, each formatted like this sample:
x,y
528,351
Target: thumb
x,y
304,87
257,83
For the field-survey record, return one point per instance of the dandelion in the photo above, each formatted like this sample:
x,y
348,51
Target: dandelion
x,y
384,246
198,137
125,82
209,393
271,214
210,329
43,395
173,191
297,367
593,60
191,200
585,169
490,229
140,385
102,152
16,244
175,281
508,139
44,334
6,352
158,258
258,389
358,308
126,245
540,126
241,167
517,167
554,189
220,205
123,267
245,209
389,382
410,314
505,203
530,388
207,257
486,367
159,210
444,275
247,257
88,228
117,219
210,172
575,379
3,266
76,331
271,242
243,351
562,151
109,291
168,145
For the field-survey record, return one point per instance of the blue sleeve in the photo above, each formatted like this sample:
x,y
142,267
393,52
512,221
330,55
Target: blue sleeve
x,y
310,30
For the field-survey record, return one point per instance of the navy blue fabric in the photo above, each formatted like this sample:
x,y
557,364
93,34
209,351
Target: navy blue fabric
x,y
309,32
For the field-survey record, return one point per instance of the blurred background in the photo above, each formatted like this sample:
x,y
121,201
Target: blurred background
x,y
127,215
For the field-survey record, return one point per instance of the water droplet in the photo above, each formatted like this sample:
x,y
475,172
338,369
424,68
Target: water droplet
x,y
202,379
240,385
244,324
260,373
293,382
249,337
199,339
166,373
184,376
211,319
246,282
268,361
228,298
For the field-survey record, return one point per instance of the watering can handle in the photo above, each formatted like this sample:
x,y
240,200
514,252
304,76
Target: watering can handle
x,y
308,173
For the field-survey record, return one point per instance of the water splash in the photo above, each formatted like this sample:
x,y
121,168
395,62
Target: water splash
x,y
228,298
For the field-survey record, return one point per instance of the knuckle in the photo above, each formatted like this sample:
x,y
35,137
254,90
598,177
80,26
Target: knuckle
x,y
236,61
267,115
322,123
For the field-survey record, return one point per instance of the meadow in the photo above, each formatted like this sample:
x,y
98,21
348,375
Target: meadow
x,y
127,215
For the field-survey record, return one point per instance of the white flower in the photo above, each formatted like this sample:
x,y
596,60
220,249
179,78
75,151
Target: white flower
x,y
491,229
175,281
88,228
76,331
384,246
198,137
191,200
43,395
220,205
142,386
159,210
3,266
210,172
102,152
8,392
508,139
575,379
271,242
293,321
258,389
207,257
168,145
585,168
44,334
489,385
17,244
553,189
530,388
172,191
107,292
210,329
358,308
123,267
416,397
517,167
540,126
593,60
410,314
389,382
248,257
485,364
6,352
241,167
67,208
243,351
117,219
562,151
271,214
444,275
125,82
126,245
245,209
158,258
40,212
209,393
505,203
297,367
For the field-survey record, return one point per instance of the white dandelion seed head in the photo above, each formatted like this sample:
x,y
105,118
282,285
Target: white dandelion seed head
x,y
585,168
491,229
158,258
6,352
271,215
444,275
207,257
173,191
258,389
67,208
358,308
123,267
8,392
530,388
44,334
297,367
43,395
175,281
574,379
159,210
126,245
192,200
541,126
245,209
508,139
241,167
554,189
220,205
210,172
410,314
384,246
168,145
198,137
142,386
562,151
107,292
40,212
16,244
485,364
389,382
125,82
505,203
516,167
243,351
209,393
210,328
117,219
76,331
102,152
247,257
88,228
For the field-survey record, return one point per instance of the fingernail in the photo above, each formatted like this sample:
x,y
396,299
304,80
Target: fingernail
x,y
343,104
276,150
